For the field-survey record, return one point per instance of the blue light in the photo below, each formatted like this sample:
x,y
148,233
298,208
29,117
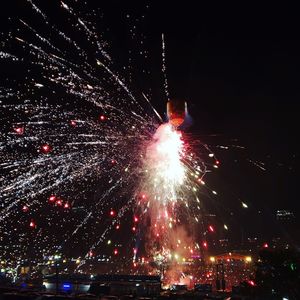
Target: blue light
x,y
67,286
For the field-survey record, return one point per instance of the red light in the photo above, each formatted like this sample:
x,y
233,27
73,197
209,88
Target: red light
x,y
134,250
251,282
73,123
157,234
112,213
52,198
136,219
32,224
266,245
143,196
113,161
25,208
19,130
205,244
59,202
102,118
116,252
118,227
134,264
46,148
211,229
91,253
133,229
217,162
66,205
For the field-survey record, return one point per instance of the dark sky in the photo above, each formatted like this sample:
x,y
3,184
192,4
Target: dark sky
x,y
238,67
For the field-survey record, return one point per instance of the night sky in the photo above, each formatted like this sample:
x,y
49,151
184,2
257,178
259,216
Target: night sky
x,y
238,68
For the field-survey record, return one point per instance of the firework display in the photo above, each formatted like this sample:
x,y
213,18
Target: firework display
x,y
88,166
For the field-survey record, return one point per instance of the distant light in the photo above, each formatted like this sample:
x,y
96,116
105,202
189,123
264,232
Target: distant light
x,y
211,155
205,244
112,213
117,227
225,227
136,219
211,229
116,252
102,118
266,245
212,259
73,123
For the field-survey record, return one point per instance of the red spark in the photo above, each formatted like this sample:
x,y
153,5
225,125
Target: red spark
x,y
205,244
116,252
136,219
66,205
52,198
102,118
32,224
59,202
118,227
19,130
73,123
251,282
112,213
46,148
266,245
133,228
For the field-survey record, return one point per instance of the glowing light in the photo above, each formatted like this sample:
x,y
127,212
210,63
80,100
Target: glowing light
x,y
46,148
116,252
212,259
248,259
211,229
52,198
32,224
225,227
73,123
25,208
19,130
112,213
102,118
266,245
244,205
